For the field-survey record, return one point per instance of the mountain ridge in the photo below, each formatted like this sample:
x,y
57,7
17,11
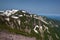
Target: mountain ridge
x,y
22,22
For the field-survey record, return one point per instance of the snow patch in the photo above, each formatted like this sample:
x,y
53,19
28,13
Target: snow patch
x,y
14,17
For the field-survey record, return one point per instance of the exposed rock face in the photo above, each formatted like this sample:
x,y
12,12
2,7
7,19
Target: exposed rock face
x,y
29,24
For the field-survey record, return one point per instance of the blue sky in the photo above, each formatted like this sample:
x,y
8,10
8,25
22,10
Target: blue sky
x,y
40,7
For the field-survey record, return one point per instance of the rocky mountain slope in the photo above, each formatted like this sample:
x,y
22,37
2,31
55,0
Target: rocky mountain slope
x,y
31,25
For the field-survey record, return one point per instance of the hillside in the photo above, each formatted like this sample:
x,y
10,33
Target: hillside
x,y
30,25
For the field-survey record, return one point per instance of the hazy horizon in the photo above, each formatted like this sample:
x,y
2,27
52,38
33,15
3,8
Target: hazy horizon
x,y
40,7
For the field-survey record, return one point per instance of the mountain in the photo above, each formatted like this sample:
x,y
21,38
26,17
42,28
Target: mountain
x,y
31,25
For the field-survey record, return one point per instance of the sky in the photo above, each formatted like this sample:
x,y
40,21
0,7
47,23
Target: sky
x,y
39,7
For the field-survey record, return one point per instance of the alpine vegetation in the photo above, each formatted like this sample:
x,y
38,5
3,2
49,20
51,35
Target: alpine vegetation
x,y
31,25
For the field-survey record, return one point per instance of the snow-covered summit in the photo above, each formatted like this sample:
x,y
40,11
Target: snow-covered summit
x,y
9,12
